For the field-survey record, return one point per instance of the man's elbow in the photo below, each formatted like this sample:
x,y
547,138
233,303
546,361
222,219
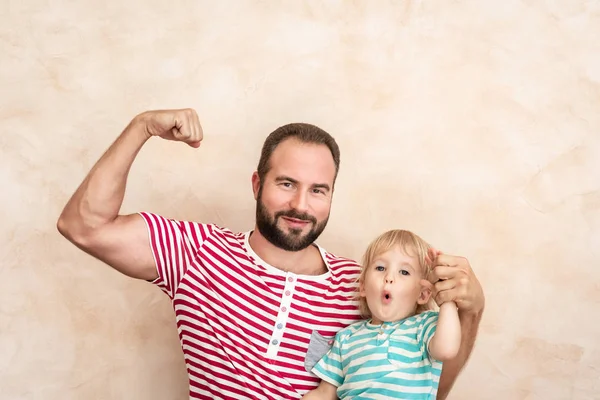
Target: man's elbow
x,y
62,226
72,231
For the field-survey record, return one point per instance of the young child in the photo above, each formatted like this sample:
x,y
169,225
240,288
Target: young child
x,y
398,350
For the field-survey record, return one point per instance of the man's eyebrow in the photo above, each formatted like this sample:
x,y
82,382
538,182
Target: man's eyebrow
x,y
322,186
285,178
282,178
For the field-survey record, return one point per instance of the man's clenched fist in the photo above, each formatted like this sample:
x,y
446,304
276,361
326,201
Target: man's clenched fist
x,y
180,125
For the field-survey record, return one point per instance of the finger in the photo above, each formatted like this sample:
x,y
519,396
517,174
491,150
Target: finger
x,y
431,255
434,252
448,260
192,135
445,284
187,131
192,126
178,119
443,272
446,295
179,130
197,134
198,126
186,134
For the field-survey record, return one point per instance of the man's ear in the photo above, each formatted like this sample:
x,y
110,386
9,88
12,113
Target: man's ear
x,y
255,184
426,290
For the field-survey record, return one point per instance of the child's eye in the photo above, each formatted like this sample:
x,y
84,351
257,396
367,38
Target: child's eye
x,y
404,272
379,268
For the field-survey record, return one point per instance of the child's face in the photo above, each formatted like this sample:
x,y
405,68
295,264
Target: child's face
x,y
393,285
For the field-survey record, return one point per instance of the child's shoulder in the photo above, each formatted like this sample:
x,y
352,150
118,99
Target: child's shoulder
x,y
423,317
428,314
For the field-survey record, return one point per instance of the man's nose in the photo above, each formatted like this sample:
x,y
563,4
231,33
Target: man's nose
x,y
300,201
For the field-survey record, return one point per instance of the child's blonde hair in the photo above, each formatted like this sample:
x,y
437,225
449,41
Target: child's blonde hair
x,y
410,243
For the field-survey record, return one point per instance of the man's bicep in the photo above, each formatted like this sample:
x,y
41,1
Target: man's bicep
x,y
148,246
124,245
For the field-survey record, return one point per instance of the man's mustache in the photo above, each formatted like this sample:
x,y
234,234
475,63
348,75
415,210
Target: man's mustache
x,y
297,215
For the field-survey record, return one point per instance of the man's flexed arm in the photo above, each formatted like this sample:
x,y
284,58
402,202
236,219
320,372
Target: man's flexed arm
x,y
91,219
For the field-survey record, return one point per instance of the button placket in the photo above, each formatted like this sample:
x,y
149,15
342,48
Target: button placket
x,y
284,310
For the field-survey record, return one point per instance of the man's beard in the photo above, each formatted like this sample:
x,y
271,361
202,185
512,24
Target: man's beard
x,y
292,241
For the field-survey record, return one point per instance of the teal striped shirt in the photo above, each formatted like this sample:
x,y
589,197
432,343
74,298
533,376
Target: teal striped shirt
x,y
388,361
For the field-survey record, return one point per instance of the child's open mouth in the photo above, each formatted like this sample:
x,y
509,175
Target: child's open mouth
x,y
386,297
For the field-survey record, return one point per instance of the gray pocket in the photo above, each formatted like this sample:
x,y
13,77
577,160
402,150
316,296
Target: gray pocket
x,y
318,346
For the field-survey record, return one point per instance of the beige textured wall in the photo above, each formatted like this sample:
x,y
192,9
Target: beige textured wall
x,y
475,124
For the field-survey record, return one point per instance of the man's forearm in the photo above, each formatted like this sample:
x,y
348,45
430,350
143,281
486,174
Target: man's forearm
x,y
99,197
469,324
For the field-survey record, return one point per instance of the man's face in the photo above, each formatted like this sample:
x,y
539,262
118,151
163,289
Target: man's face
x,y
294,200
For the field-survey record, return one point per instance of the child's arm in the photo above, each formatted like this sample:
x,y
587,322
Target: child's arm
x,y
445,343
324,391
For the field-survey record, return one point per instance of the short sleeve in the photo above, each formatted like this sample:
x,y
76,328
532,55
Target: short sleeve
x,y
329,368
175,245
427,326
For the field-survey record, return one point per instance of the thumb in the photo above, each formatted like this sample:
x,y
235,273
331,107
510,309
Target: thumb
x,y
432,254
194,144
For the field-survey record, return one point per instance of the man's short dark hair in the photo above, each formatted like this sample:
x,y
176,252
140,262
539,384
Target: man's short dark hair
x,y
305,133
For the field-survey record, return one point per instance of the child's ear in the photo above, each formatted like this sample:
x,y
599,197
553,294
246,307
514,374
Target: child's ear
x,y
426,290
361,288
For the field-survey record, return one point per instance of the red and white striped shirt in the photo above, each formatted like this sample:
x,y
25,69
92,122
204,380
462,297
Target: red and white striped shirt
x,y
244,325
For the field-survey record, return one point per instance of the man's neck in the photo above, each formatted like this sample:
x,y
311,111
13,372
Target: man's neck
x,y
303,262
